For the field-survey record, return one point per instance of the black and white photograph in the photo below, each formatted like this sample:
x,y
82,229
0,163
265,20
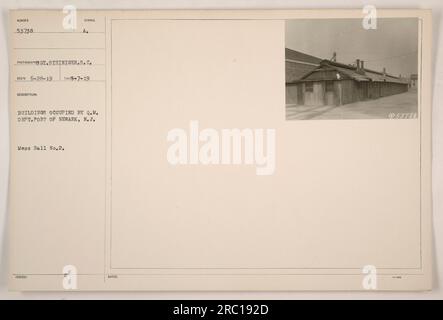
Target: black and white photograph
x,y
338,69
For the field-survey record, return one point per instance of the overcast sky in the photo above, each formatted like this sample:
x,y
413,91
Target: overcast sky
x,y
392,45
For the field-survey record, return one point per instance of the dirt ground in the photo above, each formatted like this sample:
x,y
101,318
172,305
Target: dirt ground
x,y
399,106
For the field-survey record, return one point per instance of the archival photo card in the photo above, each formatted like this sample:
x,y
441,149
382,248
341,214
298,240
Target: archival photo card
x,y
344,69
152,150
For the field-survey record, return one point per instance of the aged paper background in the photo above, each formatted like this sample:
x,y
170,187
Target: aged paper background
x,y
300,174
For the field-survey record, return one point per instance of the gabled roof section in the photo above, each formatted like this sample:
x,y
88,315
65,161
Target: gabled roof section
x,y
301,57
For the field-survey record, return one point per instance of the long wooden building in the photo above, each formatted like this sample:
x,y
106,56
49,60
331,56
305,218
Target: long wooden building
x,y
298,64
333,83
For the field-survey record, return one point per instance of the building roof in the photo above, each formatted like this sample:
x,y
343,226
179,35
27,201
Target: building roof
x,y
352,72
301,57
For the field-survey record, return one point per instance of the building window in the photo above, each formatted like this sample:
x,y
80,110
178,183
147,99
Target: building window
x,y
309,87
329,86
